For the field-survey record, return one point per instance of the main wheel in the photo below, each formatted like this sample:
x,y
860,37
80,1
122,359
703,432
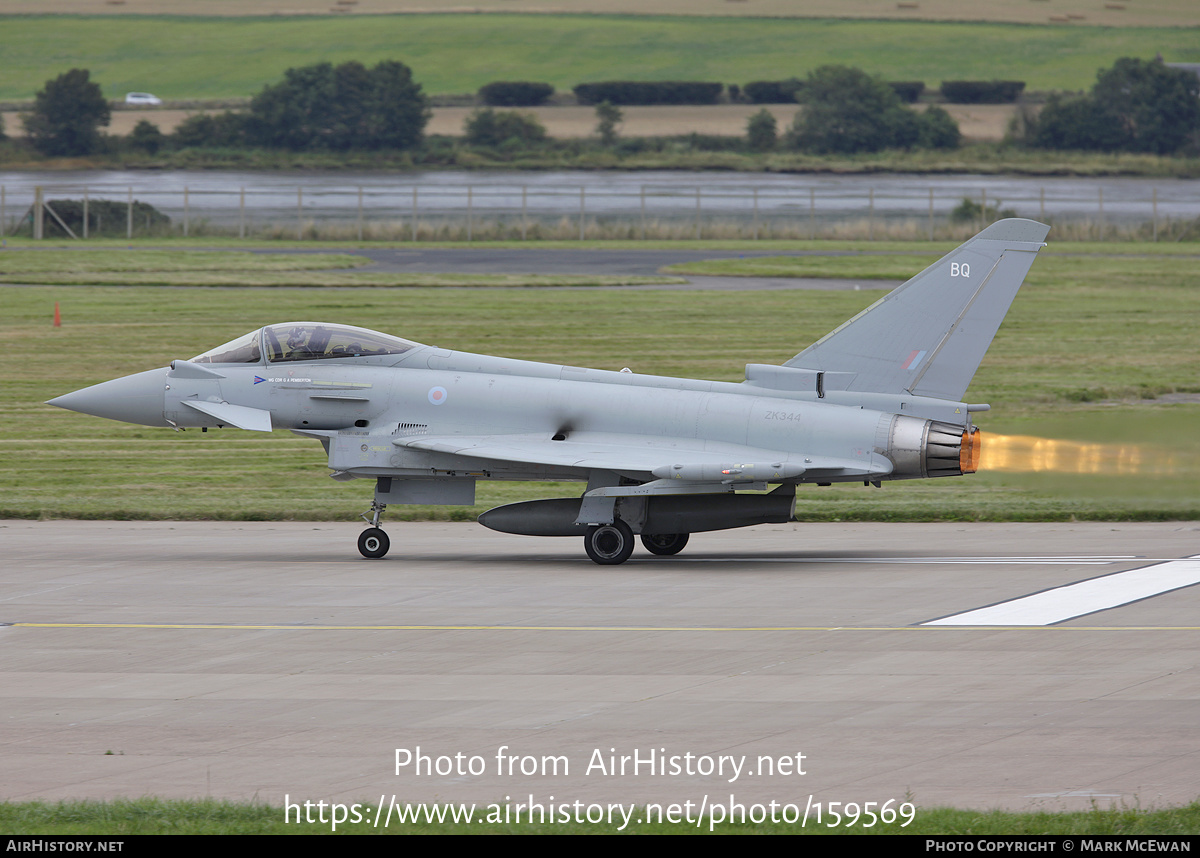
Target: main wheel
x,y
609,544
373,542
664,544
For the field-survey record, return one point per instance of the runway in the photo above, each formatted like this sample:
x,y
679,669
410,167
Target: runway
x,y
264,660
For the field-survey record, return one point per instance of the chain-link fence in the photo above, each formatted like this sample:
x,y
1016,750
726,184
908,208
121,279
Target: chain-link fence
x,y
490,210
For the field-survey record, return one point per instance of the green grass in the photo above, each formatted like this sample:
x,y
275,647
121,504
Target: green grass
x,y
158,816
1083,332
230,57
678,154
206,268
890,267
1126,264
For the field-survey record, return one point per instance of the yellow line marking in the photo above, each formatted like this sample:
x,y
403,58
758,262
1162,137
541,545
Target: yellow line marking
x,y
450,628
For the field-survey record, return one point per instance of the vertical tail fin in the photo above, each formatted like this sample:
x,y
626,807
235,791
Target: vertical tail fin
x,y
928,336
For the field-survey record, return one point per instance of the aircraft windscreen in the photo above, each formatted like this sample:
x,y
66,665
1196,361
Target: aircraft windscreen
x,y
297,341
244,349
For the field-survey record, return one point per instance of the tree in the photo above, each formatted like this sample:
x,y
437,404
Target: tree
x,y
397,108
226,129
1135,106
847,111
1156,107
487,127
608,117
1076,123
67,115
938,130
343,107
762,131
146,136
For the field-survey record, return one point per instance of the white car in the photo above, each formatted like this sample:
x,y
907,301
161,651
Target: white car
x,y
141,98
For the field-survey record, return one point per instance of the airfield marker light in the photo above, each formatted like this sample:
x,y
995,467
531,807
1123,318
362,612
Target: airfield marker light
x,y
57,316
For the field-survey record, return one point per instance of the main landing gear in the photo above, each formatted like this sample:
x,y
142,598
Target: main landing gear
x,y
373,542
606,544
664,544
610,544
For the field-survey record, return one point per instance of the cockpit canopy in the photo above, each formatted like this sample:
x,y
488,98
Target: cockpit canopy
x,y
297,341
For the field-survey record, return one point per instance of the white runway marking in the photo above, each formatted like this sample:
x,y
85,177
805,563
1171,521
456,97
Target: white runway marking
x,y
1084,597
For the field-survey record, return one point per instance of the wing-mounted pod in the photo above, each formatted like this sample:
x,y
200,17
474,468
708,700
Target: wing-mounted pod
x,y
928,448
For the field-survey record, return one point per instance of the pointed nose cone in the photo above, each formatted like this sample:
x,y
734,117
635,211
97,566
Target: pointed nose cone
x,y
132,399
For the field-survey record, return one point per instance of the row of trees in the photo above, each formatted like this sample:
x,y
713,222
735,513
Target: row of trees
x,y
1134,106
345,107
318,107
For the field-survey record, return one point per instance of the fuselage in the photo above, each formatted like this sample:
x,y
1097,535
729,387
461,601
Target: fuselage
x,y
363,406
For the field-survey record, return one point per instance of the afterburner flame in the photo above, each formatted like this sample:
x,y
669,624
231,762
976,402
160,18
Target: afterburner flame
x,y
1026,453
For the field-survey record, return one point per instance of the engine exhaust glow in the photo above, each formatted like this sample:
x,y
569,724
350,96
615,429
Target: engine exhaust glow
x,y
1027,453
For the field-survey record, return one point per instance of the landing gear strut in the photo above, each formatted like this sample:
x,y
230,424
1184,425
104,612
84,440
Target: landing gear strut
x,y
373,542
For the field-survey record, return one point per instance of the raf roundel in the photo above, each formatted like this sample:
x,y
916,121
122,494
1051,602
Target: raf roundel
x,y
437,395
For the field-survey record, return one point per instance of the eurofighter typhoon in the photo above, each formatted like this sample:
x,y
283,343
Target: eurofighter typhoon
x,y
879,398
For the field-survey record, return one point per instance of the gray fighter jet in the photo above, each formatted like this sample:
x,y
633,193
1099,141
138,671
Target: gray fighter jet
x,y
880,398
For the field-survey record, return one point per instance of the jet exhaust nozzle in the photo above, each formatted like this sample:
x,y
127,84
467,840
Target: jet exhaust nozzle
x,y
930,448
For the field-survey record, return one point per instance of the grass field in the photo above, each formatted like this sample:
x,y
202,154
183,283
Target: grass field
x,y
156,816
1159,13
1087,340
228,57
233,268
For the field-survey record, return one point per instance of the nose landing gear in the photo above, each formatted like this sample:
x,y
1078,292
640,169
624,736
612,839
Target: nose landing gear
x,y
373,542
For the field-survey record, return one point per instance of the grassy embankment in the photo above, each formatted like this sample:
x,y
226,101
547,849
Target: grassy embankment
x,y
156,816
1088,339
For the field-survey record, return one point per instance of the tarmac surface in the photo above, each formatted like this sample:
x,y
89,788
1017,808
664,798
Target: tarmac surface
x,y
606,262
540,260
264,660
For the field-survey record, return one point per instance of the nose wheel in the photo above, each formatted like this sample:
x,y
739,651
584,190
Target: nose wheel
x,y
373,542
